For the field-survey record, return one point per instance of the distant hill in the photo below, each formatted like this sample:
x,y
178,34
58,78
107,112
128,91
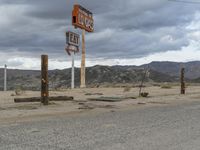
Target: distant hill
x,y
192,69
18,78
99,75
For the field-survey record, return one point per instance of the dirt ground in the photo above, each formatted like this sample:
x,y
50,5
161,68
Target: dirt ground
x,y
19,112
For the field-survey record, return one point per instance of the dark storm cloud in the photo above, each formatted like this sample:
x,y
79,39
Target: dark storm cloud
x,y
138,43
123,28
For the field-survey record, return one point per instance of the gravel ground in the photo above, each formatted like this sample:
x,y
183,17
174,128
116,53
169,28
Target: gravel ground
x,y
166,127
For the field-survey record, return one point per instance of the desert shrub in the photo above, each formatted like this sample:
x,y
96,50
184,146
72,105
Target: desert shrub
x,y
19,90
144,94
12,94
166,86
155,84
127,89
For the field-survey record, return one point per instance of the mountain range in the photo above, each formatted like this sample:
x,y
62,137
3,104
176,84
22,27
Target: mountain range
x,y
101,75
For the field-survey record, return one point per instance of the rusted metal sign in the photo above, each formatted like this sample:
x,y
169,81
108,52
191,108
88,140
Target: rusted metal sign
x,y
82,18
72,42
72,39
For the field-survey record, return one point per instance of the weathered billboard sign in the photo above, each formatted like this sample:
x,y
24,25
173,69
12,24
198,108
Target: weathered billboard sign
x,y
82,18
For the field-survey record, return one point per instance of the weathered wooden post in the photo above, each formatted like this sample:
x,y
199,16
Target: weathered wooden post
x,y
82,77
182,80
44,80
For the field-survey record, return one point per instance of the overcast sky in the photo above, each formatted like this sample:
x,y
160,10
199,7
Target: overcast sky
x,y
127,32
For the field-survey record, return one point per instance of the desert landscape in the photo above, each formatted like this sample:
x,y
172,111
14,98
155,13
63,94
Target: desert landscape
x,y
86,101
99,75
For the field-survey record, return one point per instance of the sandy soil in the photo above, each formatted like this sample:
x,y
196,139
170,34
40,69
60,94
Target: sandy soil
x,y
12,112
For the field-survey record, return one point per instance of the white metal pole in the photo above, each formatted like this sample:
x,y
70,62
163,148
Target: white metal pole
x,y
72,79
5,78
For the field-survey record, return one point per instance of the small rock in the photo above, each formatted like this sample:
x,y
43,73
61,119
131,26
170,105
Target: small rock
x,y
141,103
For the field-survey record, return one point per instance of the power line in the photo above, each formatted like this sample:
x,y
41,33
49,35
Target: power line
x,y
182,1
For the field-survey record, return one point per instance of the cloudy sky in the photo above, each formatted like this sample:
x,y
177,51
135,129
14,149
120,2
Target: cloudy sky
x,y
127,32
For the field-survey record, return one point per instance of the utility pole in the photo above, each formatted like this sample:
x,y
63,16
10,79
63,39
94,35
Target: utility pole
x,y
5,78
44,80
83,61
182,79
72,80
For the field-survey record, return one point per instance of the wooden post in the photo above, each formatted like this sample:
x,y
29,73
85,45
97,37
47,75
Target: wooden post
x,y
83,61
182,80
44,80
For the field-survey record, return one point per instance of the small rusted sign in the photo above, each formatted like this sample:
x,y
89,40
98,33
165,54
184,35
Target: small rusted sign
x,y
72,38
72,42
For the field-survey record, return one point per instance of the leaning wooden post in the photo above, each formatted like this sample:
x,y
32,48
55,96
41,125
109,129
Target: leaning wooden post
x,y
182,80
44,80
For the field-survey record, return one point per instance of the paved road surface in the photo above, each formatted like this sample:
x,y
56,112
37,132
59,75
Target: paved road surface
x,y
151,128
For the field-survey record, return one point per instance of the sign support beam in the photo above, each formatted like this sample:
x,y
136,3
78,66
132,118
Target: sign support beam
x,y
72,79
83,61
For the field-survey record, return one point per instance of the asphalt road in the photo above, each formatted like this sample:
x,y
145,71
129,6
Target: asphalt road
x,y
174,127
